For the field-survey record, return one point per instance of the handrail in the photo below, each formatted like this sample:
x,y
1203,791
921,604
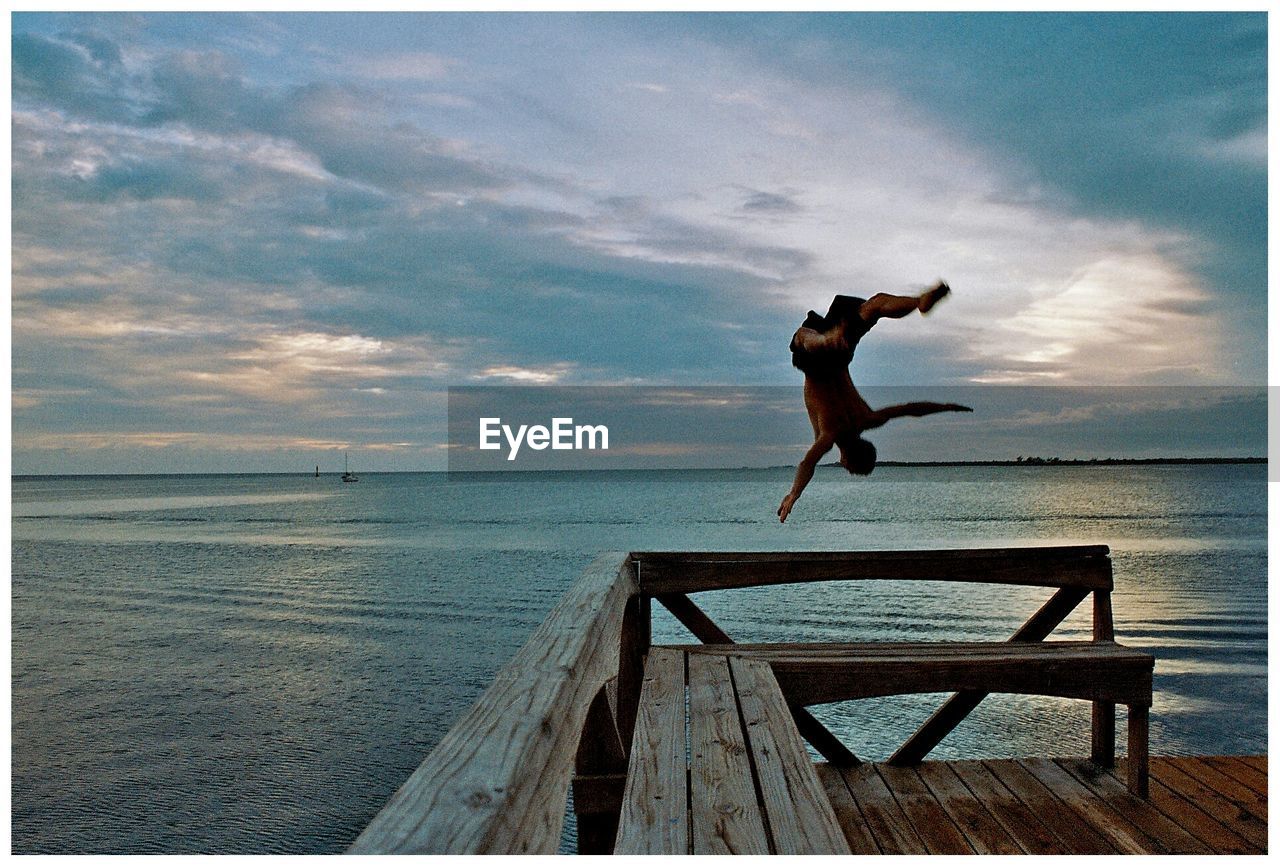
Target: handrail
x,y
666,572
497,781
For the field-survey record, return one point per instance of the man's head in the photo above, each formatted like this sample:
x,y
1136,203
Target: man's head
x,y
857,455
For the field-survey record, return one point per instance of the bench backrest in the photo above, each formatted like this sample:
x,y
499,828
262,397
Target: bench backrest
x,y
1087,567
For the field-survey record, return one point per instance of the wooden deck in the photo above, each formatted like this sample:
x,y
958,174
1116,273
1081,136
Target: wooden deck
x,y
1201,805
700,748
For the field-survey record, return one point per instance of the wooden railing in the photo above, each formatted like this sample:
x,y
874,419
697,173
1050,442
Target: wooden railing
x,y
497,781
564,709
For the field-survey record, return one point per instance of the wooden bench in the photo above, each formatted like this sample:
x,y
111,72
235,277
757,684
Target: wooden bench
x,y
1099,671
741,784
588,703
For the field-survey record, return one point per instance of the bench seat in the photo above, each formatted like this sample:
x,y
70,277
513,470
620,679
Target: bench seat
x,y
826,672
742,782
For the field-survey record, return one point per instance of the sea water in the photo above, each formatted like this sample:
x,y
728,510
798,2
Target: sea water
x,y
256,663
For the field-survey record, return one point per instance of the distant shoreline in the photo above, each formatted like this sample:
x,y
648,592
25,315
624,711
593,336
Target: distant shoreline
x,y
1031,462
1069,462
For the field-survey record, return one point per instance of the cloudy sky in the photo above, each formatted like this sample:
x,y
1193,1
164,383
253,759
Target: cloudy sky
x,y
251,241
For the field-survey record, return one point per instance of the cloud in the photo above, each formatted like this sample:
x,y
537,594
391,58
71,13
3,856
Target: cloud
x,y
524,375
204,226
405,66
1123,318
761,202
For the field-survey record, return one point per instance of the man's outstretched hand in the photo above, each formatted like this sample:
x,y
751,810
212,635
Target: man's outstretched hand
x,y
785,509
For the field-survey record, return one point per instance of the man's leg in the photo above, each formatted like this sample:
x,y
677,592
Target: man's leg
x,y
886,306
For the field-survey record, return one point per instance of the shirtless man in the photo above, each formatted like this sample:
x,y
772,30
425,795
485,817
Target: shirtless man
x,y
823,348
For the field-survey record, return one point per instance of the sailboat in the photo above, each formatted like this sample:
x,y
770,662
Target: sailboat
x,y
347,475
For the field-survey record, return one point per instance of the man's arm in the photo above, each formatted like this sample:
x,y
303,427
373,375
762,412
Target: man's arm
x,y
917,409
804,473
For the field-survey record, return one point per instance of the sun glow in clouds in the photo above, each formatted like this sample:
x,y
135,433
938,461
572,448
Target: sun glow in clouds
x,y
291,226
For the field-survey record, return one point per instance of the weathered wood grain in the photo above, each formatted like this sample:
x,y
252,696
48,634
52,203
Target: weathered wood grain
x,y
852,823
689,572
885,819
1241,770
705,629
984,833
931,822
724,814
1192,817
1023,827
1142,814
1091,672
1079,836
1101,815
655,804
498,780
1228,786
1185,779
800,818
1059,806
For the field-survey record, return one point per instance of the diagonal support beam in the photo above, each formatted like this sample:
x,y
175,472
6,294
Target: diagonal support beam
x,y
955,709
705,630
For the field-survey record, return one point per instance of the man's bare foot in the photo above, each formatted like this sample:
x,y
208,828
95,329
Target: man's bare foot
x,y
933,296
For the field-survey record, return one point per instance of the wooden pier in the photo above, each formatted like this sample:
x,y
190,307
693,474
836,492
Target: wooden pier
x,y
700,748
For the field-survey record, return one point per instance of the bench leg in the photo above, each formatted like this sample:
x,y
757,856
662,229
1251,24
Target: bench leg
x,y
1138,735
1104,734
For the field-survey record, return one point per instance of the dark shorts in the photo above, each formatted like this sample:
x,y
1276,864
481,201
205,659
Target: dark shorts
x,y
844,308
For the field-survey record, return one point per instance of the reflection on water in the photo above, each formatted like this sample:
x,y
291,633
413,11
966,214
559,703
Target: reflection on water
x,y
110,506
254,664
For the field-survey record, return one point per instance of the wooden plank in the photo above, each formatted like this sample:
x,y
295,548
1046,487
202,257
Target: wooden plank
x,y
955,709
1180,776
1142,814
984,833
1022,826
705,629
844,650
1084,675
852,823
725,817
689,572
655,803
1101,815
799,816
885,819
1258,763
939,833
498,780
1037,552
1228,786
1243,772
1193,819
1078,835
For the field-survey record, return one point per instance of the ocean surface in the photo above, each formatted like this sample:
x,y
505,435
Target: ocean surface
x,y
255,663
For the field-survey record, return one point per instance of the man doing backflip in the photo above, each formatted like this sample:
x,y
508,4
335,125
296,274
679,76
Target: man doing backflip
x,y
823,348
